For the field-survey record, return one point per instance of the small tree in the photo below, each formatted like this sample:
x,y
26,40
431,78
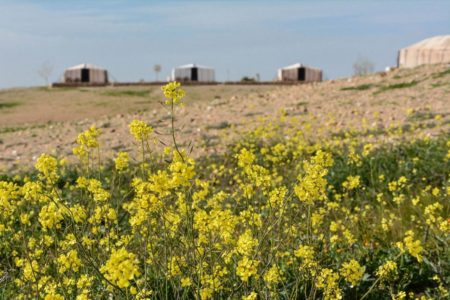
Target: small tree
x,y
45,71
157,69
362,66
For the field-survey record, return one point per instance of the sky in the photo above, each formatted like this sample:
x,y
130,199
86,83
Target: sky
x,y
237,38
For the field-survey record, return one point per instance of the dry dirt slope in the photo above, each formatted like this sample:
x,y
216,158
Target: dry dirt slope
x,y
37,120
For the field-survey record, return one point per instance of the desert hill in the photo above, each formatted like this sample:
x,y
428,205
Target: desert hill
x,y
36,120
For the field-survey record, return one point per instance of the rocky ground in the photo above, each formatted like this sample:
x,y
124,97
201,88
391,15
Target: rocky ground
x,y
37,120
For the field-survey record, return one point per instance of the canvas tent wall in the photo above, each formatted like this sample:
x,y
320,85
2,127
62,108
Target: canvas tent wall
x,y
299,72
433,50
193,72
86,73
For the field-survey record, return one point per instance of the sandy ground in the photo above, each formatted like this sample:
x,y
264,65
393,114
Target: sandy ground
x,y
37,120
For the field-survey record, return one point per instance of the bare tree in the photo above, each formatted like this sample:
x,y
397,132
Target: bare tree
x,y
44,71
157,69
362,66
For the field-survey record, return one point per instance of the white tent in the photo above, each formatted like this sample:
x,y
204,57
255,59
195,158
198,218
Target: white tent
x,y
193,72
433,50
86,73
299,72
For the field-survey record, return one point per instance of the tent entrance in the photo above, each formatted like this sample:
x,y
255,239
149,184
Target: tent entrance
x,y
194,74
301,74
85,75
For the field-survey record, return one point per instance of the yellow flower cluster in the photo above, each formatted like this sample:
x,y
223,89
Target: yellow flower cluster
x,y
69,262
122,161
312,185
246,268
388,270
352,271
47,166
121,268
351,183
86,141
173,92
328,281
50,216
140,130
414,247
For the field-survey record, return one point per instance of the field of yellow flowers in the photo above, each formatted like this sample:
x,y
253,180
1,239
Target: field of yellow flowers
x,y
282,214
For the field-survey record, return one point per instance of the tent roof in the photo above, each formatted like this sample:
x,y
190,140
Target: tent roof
x,y
190,66
85,66
436,42
296,66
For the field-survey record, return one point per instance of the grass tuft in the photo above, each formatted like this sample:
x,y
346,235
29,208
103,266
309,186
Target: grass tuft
x,y
361,87
395,86
6,105
128,93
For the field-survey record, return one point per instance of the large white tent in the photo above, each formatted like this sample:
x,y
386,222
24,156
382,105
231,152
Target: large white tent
x,y
193,72
86,73
299,72
433,50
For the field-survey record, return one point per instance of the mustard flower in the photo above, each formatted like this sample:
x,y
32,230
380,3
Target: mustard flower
x,y
272,276
352,271
251,296
140,130
328,281
311,187
122,161
47,165
173,92
186,281
306,253
387,270
52,296
246,243
86,141
414,247
121,268
247,268
69,261
351,183
50,216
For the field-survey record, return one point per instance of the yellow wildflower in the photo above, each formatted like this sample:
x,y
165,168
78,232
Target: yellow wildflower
x,y
352,271
328,281
251,296
140,130
387,270
173,92
122,161
414,247
69,261
121,268
246,268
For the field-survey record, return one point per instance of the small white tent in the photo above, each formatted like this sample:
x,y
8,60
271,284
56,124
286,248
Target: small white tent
x,y
86,73
433,50
193,72
299,72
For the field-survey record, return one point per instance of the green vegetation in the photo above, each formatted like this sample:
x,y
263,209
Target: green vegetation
x,y
21,128
421,116
128,93
401,85
441,74
361,87
5,105
221,125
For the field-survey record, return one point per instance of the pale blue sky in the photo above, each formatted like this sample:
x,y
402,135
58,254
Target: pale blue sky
x,y
239,38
